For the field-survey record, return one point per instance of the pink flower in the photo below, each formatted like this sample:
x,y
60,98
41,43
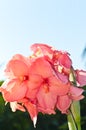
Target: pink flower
x,y
19,81
61,65
80,77
40,82
20,84
15,87
51,86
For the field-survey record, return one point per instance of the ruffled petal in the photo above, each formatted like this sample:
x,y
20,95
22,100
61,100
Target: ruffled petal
x,y
42,49
64,60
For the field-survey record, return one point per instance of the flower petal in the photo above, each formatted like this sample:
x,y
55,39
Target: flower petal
x,y
58,87
81,77
63,103
31,108
17,68
43,49
33,86
64,60
15,106
14,90
76,93
42,68
46,99
62,77
46,111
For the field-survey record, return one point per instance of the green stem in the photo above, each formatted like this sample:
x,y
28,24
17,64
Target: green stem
x,y
71,123
74,115
75,109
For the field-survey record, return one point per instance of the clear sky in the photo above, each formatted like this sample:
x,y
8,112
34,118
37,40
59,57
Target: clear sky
x,y
59,23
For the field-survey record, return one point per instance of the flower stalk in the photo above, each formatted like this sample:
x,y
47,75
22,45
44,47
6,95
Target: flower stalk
x,y
71,122
74,114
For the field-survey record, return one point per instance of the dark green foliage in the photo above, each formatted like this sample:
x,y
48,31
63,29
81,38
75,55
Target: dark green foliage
x,y
1,83
83,111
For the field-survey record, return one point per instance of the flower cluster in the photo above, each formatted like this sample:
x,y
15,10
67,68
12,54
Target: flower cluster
x,y
42,82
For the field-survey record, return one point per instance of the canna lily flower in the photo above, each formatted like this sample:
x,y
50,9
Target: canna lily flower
x,y
51,85
19,81
41,82
15,87
20,84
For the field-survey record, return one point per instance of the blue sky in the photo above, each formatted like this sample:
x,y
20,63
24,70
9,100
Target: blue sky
x,y
59,23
